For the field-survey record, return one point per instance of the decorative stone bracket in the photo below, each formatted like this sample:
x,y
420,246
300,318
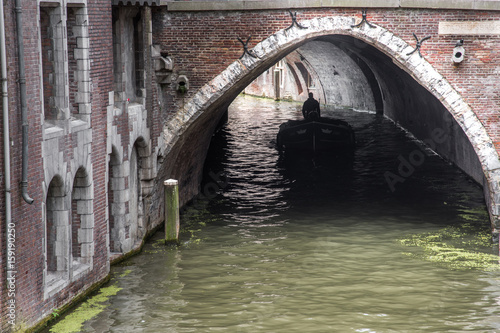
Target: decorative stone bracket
x,y
163,65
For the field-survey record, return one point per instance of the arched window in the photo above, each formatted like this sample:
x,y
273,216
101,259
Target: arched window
x,y
56,237
82,224
117,196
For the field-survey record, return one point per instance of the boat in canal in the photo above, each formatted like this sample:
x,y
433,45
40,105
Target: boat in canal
x,y
316,135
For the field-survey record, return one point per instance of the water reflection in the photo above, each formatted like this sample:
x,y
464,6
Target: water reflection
x,y
310,246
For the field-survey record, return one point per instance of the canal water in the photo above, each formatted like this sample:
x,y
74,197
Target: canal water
x,y
303,245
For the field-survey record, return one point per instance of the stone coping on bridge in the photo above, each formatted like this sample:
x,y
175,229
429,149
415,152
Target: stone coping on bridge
x,y
208,5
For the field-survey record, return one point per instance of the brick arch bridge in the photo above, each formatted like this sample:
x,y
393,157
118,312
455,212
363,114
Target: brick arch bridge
x,y
435,87
96,82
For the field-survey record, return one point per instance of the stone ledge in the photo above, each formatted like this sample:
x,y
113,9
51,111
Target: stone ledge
x,y
464,28
452,4
279,4
51,132
294,4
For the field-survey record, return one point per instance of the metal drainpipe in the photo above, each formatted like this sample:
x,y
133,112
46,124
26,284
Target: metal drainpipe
x,y
6,135
24,109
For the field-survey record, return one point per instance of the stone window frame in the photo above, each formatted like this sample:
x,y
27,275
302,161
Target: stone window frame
x,y
128,62
135,202
81,56
126,224
61,237
82,224
56,237
70,99
118,196
280,66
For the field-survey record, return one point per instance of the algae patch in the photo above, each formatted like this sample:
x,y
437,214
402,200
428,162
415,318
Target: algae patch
x,y
193,220
87,310
458,247
126,272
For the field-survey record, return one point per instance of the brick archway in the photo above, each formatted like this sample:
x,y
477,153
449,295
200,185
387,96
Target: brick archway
x,y
241,72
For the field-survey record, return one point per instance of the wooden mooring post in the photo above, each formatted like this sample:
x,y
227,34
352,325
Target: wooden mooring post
x,y
172,223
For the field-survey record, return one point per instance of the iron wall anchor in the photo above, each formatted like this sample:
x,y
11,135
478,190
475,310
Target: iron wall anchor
x,y
245,48
419,44
364,20
294,21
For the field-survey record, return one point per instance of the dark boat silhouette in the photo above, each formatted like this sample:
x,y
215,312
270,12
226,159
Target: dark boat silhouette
x,y
315,135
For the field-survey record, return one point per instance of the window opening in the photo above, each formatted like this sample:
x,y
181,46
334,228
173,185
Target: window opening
x,y
56,235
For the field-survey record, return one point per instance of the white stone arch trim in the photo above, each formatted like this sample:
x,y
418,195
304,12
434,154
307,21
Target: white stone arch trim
x,y
140,137
82,194
117,203
115,140
145,173
281,42
56,242
117,161
54,163
142,145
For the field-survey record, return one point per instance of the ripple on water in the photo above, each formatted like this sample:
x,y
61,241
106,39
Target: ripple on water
x,y
308,246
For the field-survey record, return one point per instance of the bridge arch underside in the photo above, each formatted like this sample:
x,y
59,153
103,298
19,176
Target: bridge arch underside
x,y
395,88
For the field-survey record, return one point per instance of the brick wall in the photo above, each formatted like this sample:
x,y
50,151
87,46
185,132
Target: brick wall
x,y
101,55
27,217
31,306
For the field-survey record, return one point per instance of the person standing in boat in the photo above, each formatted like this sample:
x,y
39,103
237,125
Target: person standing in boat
x,y
310,109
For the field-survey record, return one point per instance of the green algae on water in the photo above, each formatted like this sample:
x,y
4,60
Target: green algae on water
x,y
126,272
193,220
458,247
87,310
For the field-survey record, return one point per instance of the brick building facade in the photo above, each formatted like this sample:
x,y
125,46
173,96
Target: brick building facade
x,y
89,111
124,94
